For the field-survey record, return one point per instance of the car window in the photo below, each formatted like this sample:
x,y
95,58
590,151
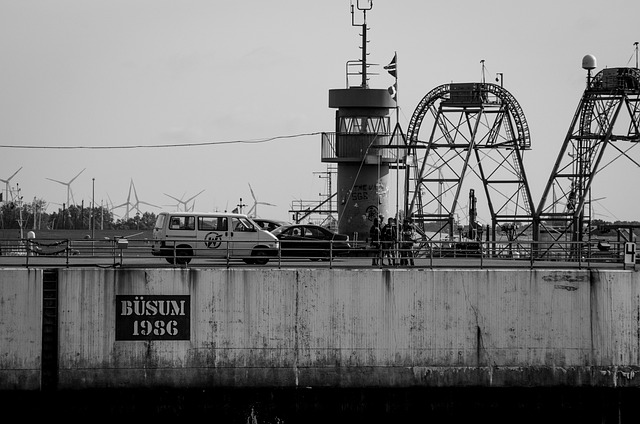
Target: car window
x,y
206,224
237,225
314,232
209,223
183,223
160,221
278,231
241,224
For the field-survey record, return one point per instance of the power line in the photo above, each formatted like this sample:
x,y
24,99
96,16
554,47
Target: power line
x,y
158,146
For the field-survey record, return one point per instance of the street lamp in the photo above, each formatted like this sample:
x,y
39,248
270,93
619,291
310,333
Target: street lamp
x,y
93,204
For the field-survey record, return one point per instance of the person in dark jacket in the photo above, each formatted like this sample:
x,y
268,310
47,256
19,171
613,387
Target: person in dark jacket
x,y
389,234
375,235
406,244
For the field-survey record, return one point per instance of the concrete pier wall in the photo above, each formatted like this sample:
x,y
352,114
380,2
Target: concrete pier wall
x,y
190,328
20,328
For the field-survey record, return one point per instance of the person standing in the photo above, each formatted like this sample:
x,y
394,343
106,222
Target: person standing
x,y
375,234
406,246
389,234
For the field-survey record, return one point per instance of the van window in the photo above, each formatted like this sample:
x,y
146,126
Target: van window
x,y
159,222
212,223
182,223
241,224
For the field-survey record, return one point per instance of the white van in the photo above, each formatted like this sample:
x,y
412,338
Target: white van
x,y
180,236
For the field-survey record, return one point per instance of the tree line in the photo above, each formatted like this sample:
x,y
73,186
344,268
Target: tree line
x,y
33,216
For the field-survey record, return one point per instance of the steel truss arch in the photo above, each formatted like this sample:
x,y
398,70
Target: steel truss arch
x,y
608,114
472,129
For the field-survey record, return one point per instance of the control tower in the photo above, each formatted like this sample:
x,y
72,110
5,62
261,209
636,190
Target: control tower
x,y
361,146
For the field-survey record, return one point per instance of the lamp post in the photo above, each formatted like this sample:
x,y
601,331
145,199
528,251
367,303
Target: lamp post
x,y
93,204
19,204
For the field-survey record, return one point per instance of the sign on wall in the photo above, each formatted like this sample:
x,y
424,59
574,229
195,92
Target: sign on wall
x,y
147,317
629,253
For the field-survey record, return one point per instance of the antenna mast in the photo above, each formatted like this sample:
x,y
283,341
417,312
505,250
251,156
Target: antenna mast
x,y
363,84
636,44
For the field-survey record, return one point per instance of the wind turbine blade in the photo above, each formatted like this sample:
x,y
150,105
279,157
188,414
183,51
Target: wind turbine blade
x,y
265,203
252,195
174,198
129,194
116,207
77,175
60,182
14,174
147,203
135,193
193,197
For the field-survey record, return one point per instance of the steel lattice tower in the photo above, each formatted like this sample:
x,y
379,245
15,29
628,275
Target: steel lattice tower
x,y
469,129
607,116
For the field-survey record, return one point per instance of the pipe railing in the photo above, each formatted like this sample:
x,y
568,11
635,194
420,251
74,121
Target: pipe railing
x,y
423,254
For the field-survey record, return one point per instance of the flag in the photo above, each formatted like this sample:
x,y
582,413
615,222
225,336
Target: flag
x,y
391,67
235,210
393,91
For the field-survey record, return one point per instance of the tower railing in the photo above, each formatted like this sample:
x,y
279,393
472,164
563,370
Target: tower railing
x,y
358,147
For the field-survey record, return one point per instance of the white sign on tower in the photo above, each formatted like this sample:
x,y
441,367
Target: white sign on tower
x,y
630,253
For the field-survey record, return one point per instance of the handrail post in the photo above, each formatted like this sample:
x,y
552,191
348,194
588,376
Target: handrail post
x,y
579,254
174,253
279,255
27,248
431,254
531,244
330,253
228,254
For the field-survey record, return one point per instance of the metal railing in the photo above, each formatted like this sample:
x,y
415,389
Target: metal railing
x,y
132,252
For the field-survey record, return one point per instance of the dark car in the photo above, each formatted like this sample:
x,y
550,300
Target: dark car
x,y
269,224
311,241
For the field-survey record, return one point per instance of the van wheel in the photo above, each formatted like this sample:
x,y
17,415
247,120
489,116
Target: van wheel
x,y
183,255
260,257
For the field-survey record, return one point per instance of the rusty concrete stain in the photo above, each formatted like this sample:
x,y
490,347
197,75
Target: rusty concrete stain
x,y
566,277
563,287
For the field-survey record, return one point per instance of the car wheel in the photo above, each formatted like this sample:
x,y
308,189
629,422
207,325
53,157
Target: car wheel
x,y
259,256
183,255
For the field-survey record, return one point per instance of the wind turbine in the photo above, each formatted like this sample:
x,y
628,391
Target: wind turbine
x,y
110,206
138,202
253,212
7,187
185,203
68,184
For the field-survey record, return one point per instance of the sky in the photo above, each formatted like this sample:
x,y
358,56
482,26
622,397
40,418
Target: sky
x,y
192,95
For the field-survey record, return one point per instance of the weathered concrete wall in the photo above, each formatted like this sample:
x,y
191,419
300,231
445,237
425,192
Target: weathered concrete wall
x,y
355,328
20,328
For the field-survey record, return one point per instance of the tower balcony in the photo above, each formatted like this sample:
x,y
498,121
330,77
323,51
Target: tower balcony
x,y
372,148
